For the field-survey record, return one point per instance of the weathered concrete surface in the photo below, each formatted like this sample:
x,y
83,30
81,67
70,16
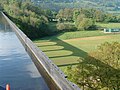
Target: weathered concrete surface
x,y
53,76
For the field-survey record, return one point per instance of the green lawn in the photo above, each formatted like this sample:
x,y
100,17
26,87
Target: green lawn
x,y
66,48
65,52
80,34
109,25
71,35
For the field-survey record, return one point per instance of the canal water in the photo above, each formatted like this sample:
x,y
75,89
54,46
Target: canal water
x,y
16,67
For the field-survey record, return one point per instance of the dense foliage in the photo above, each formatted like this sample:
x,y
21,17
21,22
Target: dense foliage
x,y
84,19
97,15
100,70
30,18
107,5
35,21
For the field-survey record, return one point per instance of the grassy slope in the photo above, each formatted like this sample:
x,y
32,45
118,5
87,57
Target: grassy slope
x,y
69,51
80,34
67,48
77,34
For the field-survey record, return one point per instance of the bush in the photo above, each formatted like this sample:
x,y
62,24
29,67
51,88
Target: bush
x,y
65,27
100,70
85,24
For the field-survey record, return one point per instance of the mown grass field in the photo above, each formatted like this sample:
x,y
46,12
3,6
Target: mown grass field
x,y
64,52
109,25
75,34
67,48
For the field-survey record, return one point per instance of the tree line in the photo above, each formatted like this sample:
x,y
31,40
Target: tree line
x,y
34,21
29,18
85,19
108,5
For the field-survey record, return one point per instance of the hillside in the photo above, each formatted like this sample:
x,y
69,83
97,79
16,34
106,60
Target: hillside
x,y
107,5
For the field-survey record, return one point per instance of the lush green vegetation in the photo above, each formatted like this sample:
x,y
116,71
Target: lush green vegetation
x,y
100,70
36,22
91,69
30,18
106,5
83,19
81,56
71,37
80,34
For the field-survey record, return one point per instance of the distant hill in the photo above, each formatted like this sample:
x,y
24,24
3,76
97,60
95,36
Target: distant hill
x,y
108,5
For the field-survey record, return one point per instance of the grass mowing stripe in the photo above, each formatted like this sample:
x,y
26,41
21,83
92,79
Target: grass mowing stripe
x,y
71,49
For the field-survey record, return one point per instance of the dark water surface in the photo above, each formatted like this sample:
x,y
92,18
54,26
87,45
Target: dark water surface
x,y
16,67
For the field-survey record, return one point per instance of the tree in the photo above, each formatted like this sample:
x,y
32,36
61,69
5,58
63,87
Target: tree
x,y
98,71
109,53
78,19
76,13
65,27
30,18
99,16
65,14
85,24
68,14
60,15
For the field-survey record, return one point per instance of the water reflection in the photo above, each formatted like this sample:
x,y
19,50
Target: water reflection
x,y
16,66
1,88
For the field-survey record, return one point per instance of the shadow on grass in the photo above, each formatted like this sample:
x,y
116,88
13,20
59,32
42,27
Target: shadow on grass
x,y
67,47
75,52
67,64
100,72
109,76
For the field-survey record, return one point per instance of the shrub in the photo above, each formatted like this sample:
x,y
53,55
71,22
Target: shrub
x,y
65,27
